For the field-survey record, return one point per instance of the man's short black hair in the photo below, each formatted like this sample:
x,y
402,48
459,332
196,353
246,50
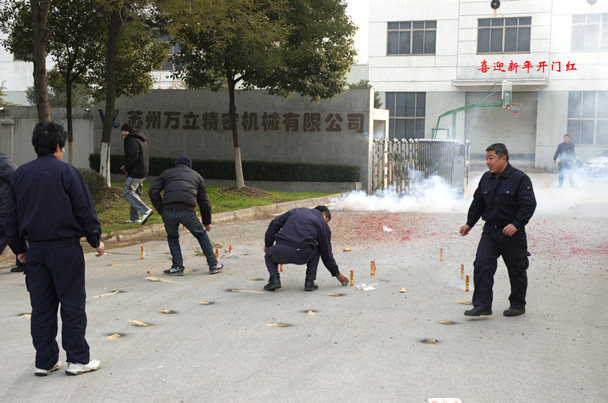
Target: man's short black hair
x,y
566,135
324,209
500,149
47,136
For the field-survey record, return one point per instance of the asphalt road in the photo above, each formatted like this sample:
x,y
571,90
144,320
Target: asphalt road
x,y
205,337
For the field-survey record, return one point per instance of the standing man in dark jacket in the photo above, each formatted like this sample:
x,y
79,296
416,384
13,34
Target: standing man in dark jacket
x,y
7,168
136,168
567,157
49,209
505,200
300,236
184,189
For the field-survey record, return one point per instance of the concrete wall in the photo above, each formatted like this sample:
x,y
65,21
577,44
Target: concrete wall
x,y
193,122
17,125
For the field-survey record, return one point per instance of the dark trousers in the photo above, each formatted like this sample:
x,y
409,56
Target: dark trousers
x,y
4,241
514,252
566,167
172,218
282,254
54,275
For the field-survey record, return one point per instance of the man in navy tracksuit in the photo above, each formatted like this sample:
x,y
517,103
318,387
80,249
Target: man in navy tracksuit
x,y
49,209
302,236
505,200
7,168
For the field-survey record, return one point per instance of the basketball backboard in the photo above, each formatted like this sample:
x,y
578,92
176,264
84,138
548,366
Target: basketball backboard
x,y
507,93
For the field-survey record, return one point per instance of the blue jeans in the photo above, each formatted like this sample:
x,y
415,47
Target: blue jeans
x,y
132,193
172,218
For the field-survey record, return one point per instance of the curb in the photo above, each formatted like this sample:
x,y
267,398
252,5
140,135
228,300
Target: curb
x,y
251,213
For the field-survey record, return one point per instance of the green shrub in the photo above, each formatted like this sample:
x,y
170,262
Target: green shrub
x,y
252,170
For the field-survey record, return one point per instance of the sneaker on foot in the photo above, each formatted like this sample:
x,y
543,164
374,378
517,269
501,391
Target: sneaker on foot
x,y
133,221
514,311
175,271
215,269
146,215
45,372
478,311
76,368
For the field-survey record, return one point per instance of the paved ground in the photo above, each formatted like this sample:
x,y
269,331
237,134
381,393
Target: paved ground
x,y
223,339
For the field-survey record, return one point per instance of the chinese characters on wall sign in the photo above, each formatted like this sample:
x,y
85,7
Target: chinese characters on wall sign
x,y
248,121
558,67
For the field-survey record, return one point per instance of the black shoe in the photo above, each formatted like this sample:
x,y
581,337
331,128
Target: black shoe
x,y
216,269
309,285
17,269
478,311
273,284
514,311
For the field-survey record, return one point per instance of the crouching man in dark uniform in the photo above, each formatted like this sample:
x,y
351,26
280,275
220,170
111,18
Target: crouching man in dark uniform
x,y
505,200
50,208
302,236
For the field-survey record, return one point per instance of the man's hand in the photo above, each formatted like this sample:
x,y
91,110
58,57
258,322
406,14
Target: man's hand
x,y
101,249
554,161
342,279
122,168
265,249
464,230
208,227
509,230
22,257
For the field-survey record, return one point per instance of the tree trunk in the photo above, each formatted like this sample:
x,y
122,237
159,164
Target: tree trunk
x,y
238,165
40,12
108,121
68,107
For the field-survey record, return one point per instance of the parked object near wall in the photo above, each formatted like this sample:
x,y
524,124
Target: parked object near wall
x,y
403,166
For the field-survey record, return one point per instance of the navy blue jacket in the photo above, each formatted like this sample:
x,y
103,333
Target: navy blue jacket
x,y
7,167
49,200
184,189
508,199
137,160
565,152
303,227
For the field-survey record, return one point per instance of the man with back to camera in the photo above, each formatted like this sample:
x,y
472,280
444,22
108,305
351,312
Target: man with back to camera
x,y
567,157
184,188
136,167
49,209
300,236
505,200
7,168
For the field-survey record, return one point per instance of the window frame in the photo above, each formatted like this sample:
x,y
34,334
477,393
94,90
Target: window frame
x,y
601,35
429,29
414,119
504,25
579,116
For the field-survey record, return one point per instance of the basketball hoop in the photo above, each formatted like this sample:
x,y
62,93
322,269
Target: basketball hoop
x,y
515,108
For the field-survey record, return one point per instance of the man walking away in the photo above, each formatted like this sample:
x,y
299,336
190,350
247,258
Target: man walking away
x,y
7,168
136,167
50,208
184,188
505,200
567,158
300,236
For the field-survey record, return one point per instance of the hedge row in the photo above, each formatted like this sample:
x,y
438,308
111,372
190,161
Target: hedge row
x,y
252,170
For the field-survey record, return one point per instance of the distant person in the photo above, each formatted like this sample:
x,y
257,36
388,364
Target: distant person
x,y
300,236
49,209
136,167
567,158
505,200
7,168
184,189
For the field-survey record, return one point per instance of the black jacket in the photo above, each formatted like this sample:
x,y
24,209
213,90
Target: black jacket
x,y
49,200
7,168
565,152
184,189
303,227
136,155
508,199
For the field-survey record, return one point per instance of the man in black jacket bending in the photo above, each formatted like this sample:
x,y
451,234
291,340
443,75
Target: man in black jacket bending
x,y
184,189
302,236
136,167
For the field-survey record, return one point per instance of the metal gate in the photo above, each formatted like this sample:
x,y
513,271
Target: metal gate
x,y
403,165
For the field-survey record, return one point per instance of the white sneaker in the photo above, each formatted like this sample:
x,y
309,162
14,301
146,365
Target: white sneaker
x,y
76,368
133,221
45,372
145,216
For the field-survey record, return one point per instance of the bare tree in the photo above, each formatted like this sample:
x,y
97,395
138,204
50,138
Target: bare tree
x,y
40,12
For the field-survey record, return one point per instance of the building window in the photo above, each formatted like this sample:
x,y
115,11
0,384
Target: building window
x,y
590,32
406,114
503,35
588,117
411,38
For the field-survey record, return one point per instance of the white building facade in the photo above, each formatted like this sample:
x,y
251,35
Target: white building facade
x,y
427,57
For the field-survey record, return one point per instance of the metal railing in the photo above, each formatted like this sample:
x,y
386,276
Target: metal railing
x,y
402,165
